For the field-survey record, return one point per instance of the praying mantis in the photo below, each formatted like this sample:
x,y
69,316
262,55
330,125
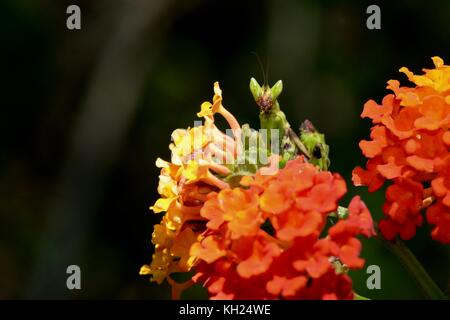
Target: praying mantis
x,y
309,142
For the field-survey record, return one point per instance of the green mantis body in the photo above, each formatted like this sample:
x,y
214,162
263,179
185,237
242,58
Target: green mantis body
x,y
314,142
310,143
270,116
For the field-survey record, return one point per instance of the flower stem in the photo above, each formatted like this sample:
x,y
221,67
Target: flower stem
x,y
415,268
359,297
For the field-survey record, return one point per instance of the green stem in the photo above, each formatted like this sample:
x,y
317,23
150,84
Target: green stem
x,y
359,297
415,268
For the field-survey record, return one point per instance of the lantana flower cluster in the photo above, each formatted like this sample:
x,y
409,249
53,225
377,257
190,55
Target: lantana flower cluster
x,y
241,259
266,236
409,147
184,184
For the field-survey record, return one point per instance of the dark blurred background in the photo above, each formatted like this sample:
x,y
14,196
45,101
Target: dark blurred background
x,y
85,113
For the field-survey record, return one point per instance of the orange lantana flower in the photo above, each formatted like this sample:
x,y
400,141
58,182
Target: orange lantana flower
x,y
409,146
264,239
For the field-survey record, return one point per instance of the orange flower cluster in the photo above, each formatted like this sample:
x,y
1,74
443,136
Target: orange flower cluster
x,y
265,240
410,146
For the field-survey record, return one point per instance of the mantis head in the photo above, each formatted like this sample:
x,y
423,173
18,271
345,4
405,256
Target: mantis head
x,y
265,96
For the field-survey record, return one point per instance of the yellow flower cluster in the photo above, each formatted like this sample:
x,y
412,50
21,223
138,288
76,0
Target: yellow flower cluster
x,y
184,183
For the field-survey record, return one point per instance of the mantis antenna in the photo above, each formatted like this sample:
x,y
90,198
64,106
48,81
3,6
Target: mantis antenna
x,y
264,72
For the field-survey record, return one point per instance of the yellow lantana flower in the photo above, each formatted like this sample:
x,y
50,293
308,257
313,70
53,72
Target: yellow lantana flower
x,y
183,186
438,78
434,81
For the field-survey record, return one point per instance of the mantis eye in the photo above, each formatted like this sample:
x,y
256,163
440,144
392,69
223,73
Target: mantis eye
x,y
265,96
255,89
276,90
